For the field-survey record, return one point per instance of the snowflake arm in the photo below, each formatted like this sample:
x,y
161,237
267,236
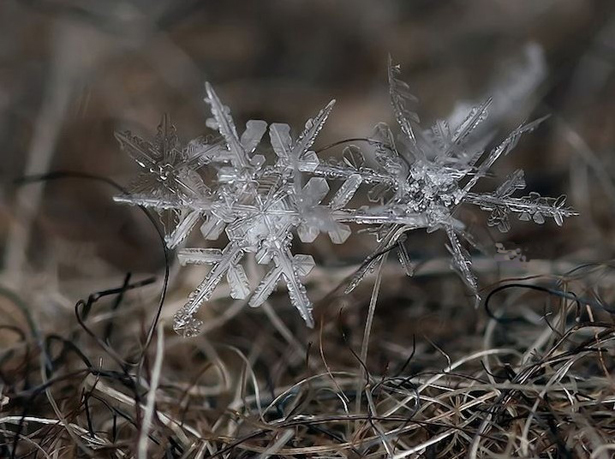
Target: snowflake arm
x,y
187,222
140,150
390,234
288,269
403,102
166,140
222,261
239,148
473,120
296,156
532,207
346,192
312,128
502,149
461,262
226,126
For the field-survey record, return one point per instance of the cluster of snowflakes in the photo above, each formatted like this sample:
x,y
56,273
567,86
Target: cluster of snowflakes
x,y
415,180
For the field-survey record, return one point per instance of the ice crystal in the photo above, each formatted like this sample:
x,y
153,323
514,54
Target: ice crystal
x,y
418,179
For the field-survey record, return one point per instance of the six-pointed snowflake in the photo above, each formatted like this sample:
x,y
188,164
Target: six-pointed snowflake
x,y
417,180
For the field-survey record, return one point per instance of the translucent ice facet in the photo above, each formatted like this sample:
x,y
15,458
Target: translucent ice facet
x,y
262,197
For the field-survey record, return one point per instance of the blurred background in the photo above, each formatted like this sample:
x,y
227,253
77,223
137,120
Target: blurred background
x,y
72,72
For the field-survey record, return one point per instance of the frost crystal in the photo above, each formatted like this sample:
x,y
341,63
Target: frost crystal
x,y
418,180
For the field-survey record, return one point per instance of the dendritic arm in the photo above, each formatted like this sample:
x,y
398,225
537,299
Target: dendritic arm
x,y
502,149
311,130
391,234
281,141
266,287
346,192
296,290
222,261
287,268
140,150
403,102
226,127
532,207
167,143
476,116
238,282
186,223
461,262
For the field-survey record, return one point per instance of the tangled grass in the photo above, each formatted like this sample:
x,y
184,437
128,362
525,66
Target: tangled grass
x,y
528,376
411,371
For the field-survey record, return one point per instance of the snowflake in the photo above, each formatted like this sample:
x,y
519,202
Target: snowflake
x,y
261,202
429,174
169,182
